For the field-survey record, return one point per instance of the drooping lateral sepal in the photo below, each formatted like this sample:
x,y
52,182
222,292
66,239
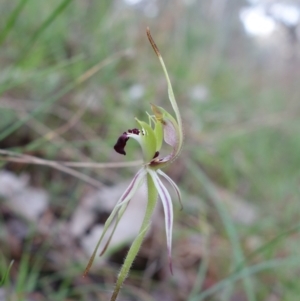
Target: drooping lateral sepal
x,y
118,212
173,184
168,211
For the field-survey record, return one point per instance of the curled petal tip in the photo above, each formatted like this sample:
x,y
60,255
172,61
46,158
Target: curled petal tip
x,y
171,265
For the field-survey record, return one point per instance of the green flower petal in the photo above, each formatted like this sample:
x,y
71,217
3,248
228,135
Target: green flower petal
x,y
147,141
158,128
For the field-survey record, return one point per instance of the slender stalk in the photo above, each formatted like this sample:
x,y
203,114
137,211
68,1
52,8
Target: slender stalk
x,y
134,249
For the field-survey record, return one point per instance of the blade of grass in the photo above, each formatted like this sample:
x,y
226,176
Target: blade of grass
x,y
39,109
51,100
9,84
203,267
23,271
251,270
6,273
11,20
268,244
60,8
238,256
29,267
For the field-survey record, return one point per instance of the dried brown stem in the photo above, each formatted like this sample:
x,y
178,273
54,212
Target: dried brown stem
x,y
155,48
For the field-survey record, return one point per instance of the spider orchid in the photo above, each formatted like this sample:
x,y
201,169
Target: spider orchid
x,y
162,126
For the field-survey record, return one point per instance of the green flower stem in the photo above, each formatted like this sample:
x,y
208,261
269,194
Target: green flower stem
x,y
135,247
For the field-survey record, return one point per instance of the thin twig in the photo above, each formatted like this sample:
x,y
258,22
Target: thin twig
x,y
103,165
65,166
21,158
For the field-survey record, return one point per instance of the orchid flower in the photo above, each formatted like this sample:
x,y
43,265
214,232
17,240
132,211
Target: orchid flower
x,y
162,126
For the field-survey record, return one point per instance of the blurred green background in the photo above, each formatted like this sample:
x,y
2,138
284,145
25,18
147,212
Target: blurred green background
x,y
73,76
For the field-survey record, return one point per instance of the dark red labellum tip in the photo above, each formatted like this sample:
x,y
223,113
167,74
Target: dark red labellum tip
x,y
121,143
